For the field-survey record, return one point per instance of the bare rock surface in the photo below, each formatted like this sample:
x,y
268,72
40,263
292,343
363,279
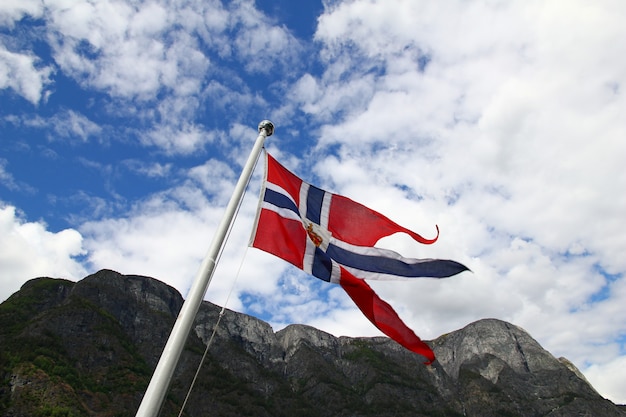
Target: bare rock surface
x,y
89,348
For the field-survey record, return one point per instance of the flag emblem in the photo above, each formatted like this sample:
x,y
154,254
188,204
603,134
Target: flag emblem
x,y
314,236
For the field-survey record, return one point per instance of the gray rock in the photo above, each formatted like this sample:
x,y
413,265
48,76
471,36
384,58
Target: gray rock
x,y
88,348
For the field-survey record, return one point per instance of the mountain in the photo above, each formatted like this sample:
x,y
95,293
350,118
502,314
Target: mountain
x,y
89,348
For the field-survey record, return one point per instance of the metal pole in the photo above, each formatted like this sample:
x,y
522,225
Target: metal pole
x,y
153,398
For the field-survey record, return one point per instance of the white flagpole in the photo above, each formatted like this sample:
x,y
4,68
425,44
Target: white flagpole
x,y
153,398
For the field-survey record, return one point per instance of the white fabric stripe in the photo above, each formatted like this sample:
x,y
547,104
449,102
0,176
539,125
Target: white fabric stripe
x,y
278,189
335,275
286,213
309,256
304,193
282,212
325,210
373,251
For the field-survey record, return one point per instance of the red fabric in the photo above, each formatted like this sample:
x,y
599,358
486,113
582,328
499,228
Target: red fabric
x,y
279,175
348,221
383,316
362,226
351,222
282,237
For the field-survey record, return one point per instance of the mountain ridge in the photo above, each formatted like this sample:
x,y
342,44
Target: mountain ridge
x,y
89,348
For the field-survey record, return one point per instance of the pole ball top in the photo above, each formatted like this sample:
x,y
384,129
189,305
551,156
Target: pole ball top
x,y
267,126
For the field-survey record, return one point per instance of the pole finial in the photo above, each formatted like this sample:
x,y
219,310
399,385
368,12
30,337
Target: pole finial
x,y
267,126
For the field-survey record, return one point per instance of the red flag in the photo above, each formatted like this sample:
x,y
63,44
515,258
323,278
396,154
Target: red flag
x,y
383,316
332,238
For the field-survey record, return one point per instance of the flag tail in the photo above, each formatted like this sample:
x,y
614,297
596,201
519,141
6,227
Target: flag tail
x,y
383,316
362,226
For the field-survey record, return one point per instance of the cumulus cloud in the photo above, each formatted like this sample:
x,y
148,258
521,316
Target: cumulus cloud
x,y
180,55
136,52
164,242
501,123
30,250
91,41
22,73
609,378
182,137
12,11
167,235
509,143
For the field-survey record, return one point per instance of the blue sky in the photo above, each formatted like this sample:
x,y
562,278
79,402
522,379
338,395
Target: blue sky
x,y
124,126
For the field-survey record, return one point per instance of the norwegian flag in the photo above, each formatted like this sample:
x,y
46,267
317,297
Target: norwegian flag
x,y
332,237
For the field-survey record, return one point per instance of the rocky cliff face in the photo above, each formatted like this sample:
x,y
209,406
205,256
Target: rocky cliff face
x,y
89,348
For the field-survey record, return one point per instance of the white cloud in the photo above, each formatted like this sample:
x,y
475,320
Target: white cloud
x,y
71,124
167,235
609,378
66,125
30,250
511,143
500,122
136,52
178,138
179,57
216,178
6,178
22,73
260,45
128,52
149,169
12,11
161,240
